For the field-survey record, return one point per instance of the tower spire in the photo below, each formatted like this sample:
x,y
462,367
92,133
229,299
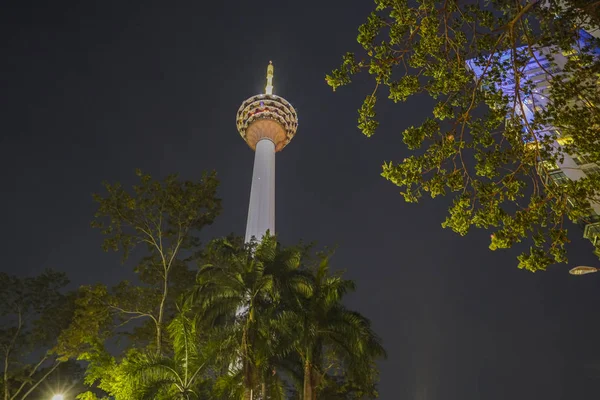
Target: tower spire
x,y
267,123
269,88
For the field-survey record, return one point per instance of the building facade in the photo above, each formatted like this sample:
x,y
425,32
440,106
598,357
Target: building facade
x,y
572,166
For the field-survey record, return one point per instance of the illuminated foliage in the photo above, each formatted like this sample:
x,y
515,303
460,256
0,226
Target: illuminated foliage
x,y
238,327
144,375
477,146
164,217
254,320
260,321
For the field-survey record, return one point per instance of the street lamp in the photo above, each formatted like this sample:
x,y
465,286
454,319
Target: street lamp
x,y
58,397
583,270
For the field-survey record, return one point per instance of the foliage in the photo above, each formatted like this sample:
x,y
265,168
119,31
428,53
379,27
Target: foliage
x,y
240,328
182,376
89,325
262,321
165,216
239,289
257,318
339,388
146,375
480,142
33,312
331,340
283,322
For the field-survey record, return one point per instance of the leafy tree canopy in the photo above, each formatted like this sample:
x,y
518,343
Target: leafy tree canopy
x,y
479,145
286,329
259,321
165,218
33,311
254,320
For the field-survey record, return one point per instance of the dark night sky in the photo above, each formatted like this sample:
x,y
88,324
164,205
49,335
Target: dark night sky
x,y
92,90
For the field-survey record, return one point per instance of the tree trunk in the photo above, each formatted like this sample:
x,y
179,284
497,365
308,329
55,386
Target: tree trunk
x,y
263,391
311,381
161,312
247,369
7,354
315,381
308,386
6,386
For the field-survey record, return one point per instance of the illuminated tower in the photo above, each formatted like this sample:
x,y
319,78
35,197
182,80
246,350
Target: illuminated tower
x,y
267,123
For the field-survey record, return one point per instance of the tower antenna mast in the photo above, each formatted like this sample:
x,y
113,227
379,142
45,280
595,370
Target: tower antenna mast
x,y
269,88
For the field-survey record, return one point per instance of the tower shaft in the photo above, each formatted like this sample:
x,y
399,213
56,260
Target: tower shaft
x,y
261,212
267,123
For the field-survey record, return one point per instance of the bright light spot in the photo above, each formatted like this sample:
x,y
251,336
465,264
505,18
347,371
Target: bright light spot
x,y
58,397
583,270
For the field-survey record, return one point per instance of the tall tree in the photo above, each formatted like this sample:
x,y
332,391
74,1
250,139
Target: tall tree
x,y
285,321
331,339
477,143
165,217
240,288
33,312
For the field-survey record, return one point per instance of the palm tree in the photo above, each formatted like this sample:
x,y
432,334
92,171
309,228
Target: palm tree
x,y
182,376
241,287
283,321
329,336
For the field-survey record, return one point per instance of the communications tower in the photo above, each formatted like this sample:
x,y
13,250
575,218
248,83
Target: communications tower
x,y
267,123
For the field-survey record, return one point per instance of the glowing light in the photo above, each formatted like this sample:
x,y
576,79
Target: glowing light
x,y
58,397
564,140
269,88
267,116
582,270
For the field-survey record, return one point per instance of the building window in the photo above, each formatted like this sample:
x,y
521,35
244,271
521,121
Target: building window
x,y
591,170
580,160
559,178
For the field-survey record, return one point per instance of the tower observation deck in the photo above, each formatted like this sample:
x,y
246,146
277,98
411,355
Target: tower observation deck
x,y
267,123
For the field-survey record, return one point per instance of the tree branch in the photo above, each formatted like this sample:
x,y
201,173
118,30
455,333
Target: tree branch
x,y
41,379
8,351
30,375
